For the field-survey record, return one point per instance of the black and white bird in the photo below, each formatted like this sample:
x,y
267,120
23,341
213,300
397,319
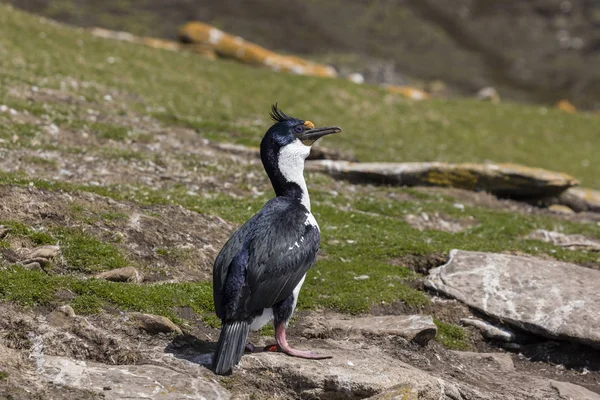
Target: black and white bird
x,y
258,274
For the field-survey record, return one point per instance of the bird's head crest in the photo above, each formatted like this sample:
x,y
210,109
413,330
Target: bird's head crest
x,y
277,115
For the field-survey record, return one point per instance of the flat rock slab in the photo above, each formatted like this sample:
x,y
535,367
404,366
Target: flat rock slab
x,y
416,328
130,381
357,372
545,297
352,373
571,242
501,179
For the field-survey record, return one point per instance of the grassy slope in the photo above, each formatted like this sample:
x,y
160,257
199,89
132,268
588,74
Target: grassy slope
x,y
228,102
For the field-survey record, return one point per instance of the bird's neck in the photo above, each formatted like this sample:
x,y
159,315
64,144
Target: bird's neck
x,y
286,172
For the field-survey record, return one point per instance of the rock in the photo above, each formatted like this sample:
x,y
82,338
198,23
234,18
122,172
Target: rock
x,y
45,252
489,331
546,297
126,274
571,242
361,371
356,77
435,221
581,199
560,209
410,92
353,372
500,361
488,94
67,310
507,180
416,328
155,323
131,381
573,392
566,106
234,47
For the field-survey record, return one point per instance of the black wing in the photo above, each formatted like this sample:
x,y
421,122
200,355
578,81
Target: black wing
x,y
264,260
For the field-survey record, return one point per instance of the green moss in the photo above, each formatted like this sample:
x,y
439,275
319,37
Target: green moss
x,y
113,216
87,304
26,287
3,375
87,254
102,130
452,336
38,237
37,288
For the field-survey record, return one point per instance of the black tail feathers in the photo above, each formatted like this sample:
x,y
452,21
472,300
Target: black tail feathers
x,y
230,347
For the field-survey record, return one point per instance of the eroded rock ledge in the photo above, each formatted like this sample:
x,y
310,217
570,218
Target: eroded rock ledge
x,y
505,180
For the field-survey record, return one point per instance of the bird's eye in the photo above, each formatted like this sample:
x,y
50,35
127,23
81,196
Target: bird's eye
x,y
299,129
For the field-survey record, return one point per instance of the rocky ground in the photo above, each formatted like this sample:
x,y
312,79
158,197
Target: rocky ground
x,y
111,216
54,352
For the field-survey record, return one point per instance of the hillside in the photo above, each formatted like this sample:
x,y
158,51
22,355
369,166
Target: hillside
x,y
112,155
537,51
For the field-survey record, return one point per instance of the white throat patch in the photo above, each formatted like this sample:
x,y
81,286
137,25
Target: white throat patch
x,y
291,164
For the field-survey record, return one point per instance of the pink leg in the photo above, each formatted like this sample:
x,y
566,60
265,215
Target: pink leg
x,y
285,347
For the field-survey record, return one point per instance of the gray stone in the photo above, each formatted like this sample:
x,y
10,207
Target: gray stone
x,y
126,274
155,323
571,391
581,199
362,371
546,297
417,328
488,330
571,242
67,310
353,372
500,179
46,252
130,381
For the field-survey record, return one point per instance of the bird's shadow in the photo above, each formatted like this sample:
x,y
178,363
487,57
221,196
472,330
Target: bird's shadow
x,y
190,348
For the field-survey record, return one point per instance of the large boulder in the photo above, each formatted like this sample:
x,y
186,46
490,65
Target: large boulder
x,y
546,297
507,180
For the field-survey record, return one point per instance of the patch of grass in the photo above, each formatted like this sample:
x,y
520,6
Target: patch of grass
x,y
175,254
452,336
3,375
109,131
113,216
87,254
37,288
38,237
361,234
